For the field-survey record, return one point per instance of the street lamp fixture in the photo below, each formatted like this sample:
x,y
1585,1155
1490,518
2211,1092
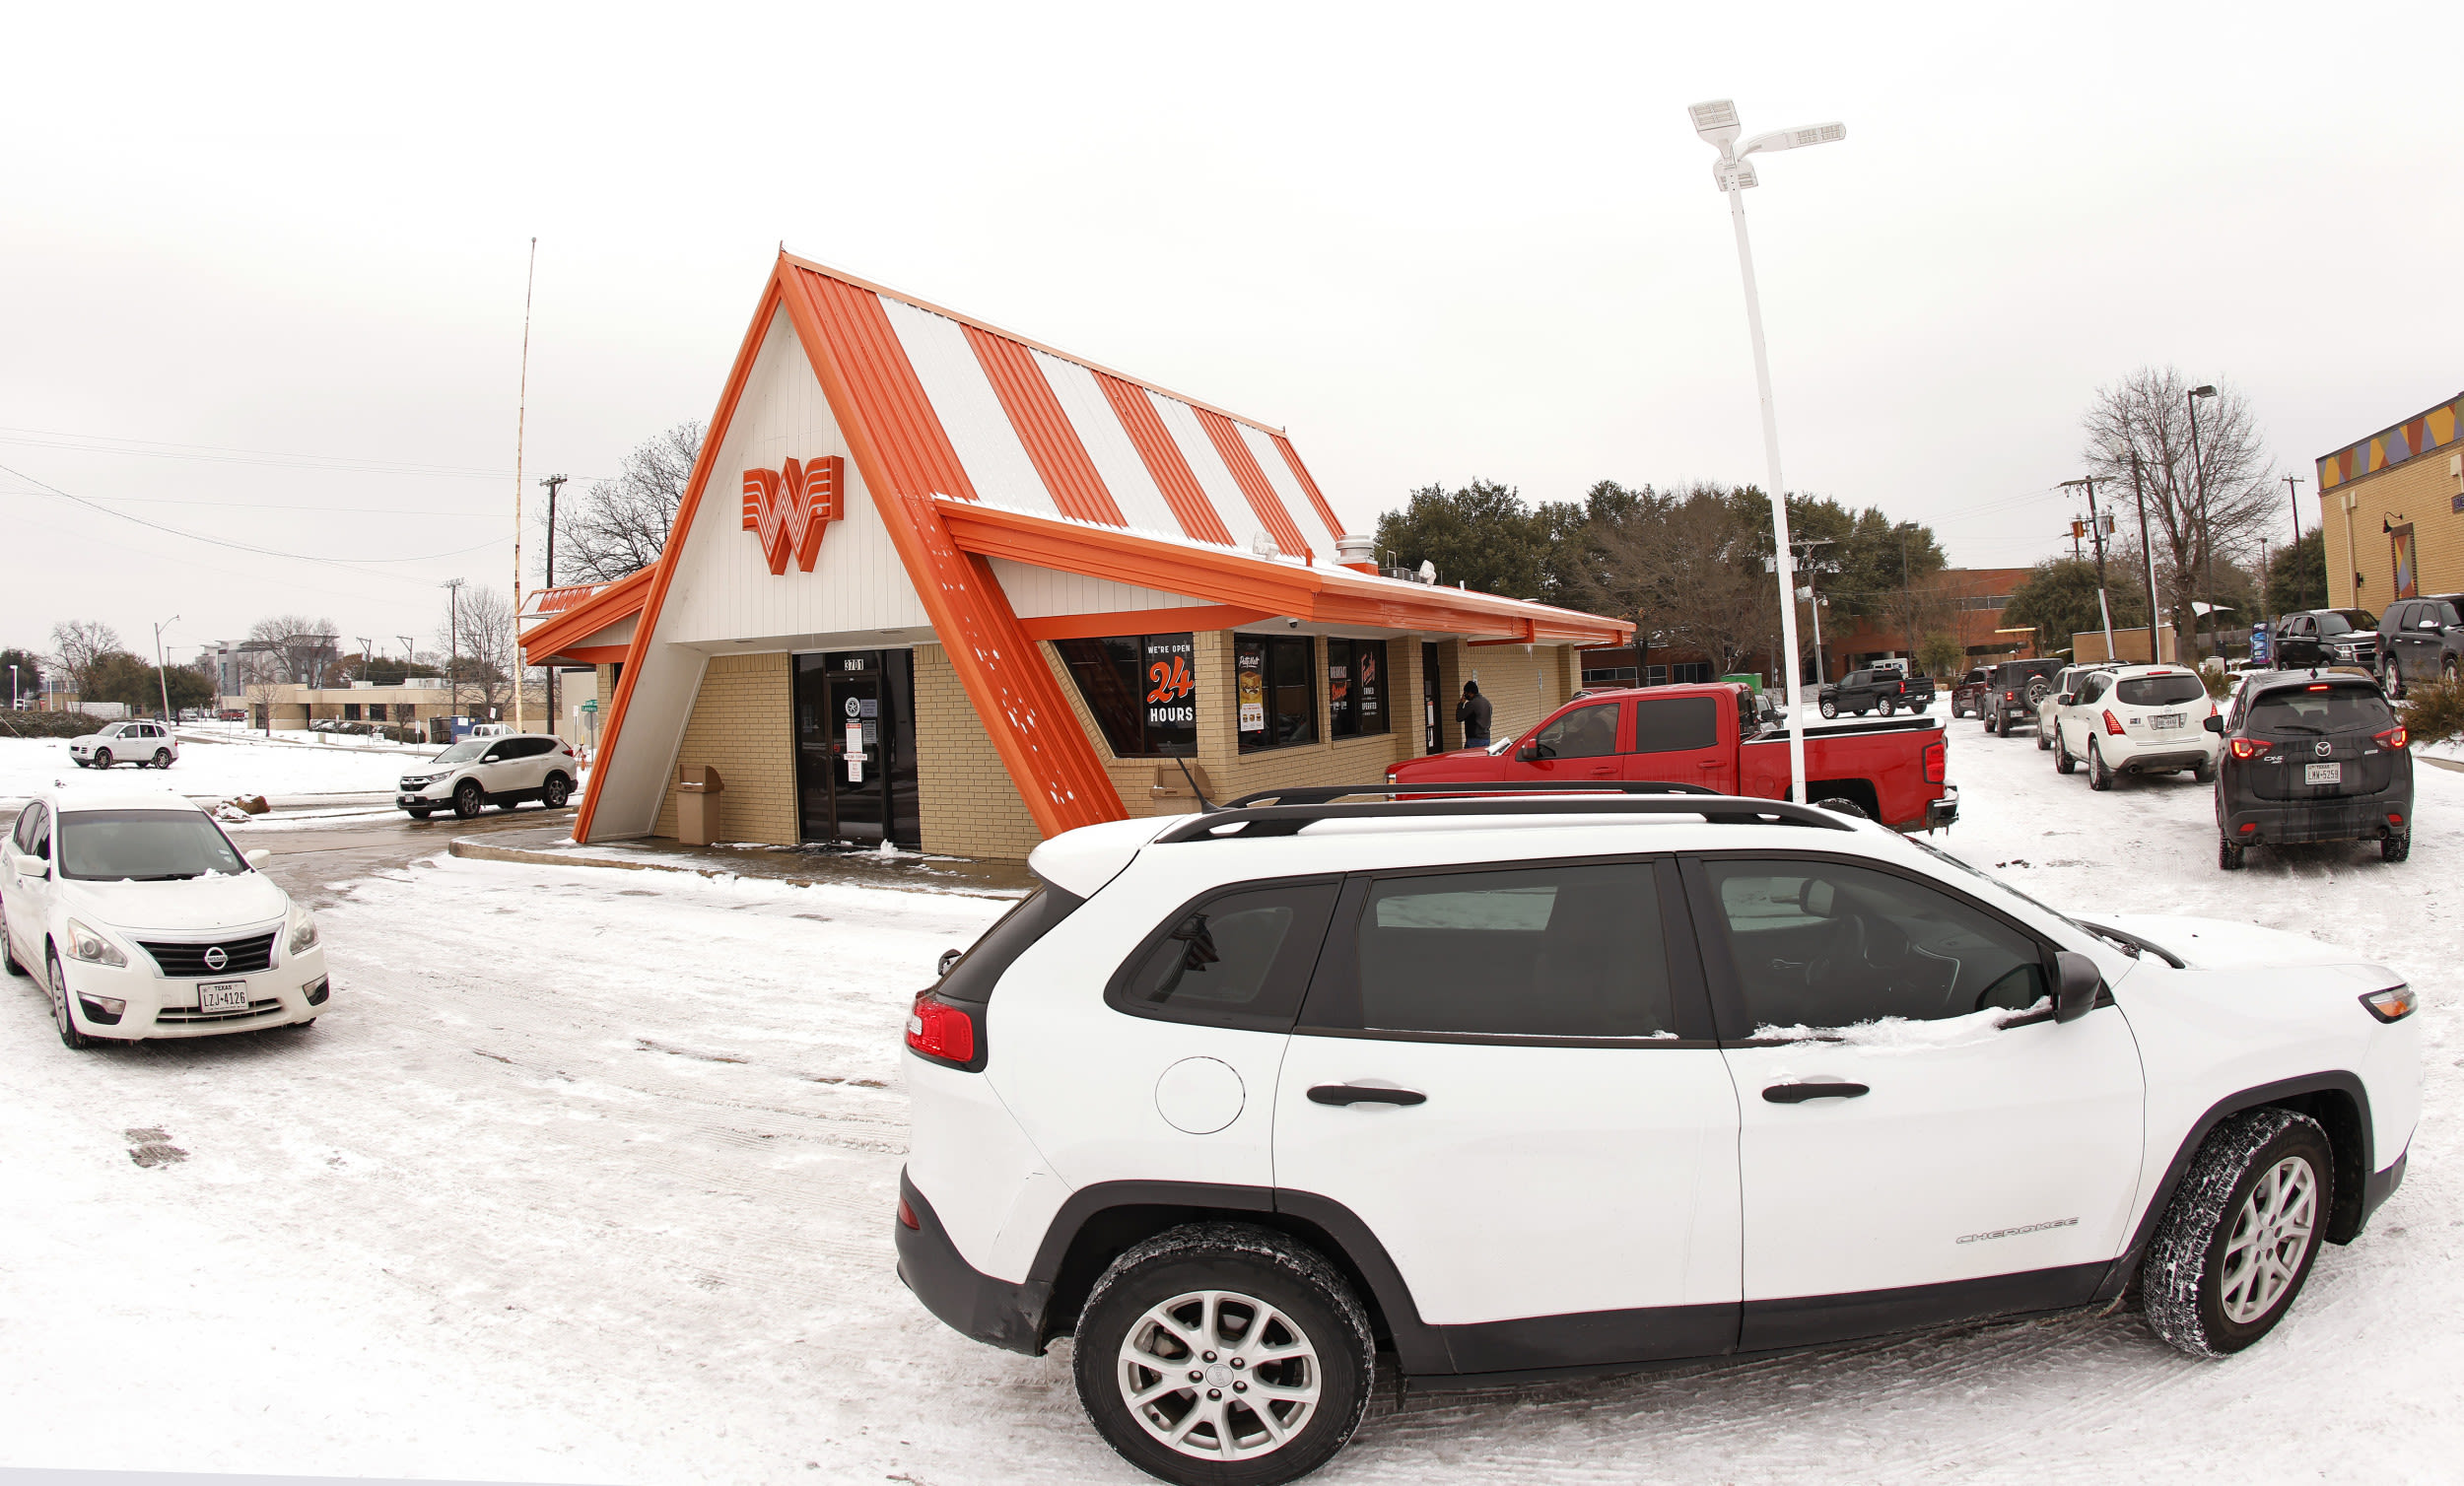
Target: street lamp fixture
x,y
1718,126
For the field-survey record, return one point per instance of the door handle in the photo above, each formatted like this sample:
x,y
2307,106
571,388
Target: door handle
x,y
1797,1093
1363,1093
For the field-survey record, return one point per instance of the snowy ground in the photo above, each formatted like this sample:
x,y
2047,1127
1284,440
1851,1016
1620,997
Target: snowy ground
x,y
218,770
590,1177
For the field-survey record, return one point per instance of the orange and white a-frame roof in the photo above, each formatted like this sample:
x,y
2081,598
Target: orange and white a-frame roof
x,y
879,466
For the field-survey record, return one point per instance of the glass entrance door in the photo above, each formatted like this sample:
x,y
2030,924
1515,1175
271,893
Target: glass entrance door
x,y
856,755
856,747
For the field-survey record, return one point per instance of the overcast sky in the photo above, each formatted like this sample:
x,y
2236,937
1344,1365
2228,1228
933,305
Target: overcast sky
x,y
1436,243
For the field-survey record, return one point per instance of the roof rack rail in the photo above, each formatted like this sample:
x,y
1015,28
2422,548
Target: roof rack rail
x,y
1248,821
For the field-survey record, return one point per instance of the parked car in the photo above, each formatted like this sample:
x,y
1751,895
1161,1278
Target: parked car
x,y
2015,690
1967,699
2313,758
502,772
1719,737
1249,1101
1886,690
2136,720
2068,679
2421,640
2325,637
138,743
144,921
492,729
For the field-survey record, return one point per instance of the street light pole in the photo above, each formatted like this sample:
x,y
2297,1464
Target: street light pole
x,y
453,652
554,483
1718,125
2147,558
2207,530
162,682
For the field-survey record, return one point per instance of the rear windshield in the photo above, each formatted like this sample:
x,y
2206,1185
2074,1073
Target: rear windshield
x,y
2159,690
2337,710
142,845
980,968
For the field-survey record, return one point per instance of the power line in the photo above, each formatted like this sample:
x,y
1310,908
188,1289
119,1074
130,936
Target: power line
x,y
156,449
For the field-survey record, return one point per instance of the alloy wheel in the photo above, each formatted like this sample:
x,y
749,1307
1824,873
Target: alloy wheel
x,y
2271,1234
1218,1376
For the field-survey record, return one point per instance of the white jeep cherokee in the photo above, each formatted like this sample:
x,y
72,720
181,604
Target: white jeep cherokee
x,y
1253,1103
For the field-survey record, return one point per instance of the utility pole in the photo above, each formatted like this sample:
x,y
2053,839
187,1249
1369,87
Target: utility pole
x,y
2146,556
453,652
1813,606
2095,530
521,417
162,682
554,483
2294,496
368,652
2207,528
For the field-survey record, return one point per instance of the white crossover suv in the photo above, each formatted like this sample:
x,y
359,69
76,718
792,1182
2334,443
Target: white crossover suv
x,y
502,771
138,743
143,921
2133,720
1257,1102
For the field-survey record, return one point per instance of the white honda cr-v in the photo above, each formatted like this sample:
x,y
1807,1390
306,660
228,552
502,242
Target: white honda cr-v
x,y
143,921
1257,1102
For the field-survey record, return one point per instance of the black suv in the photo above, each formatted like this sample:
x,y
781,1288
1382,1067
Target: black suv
x,y
2014,690
2311,756
1860,692
2326,636
2421,640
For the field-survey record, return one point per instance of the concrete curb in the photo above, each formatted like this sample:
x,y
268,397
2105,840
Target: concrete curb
x,y
471,849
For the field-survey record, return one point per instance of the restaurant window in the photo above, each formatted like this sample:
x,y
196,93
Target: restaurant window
x,y
1143,690
1272,680
1355,686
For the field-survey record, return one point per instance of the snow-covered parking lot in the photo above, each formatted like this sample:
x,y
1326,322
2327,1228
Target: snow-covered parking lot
x,y
218,768
588,1176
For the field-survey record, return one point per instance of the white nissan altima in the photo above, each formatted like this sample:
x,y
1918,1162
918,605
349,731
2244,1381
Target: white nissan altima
x,y
143,921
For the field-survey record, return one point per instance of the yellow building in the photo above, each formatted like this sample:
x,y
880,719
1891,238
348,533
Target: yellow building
x,y
2392,508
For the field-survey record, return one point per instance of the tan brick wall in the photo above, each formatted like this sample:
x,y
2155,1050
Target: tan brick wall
x,y
744,724
967,803
2419,491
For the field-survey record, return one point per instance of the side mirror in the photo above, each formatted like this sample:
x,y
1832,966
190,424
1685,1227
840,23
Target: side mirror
x,y
950,957
259,857
38,867
1532,753
2213,723
1815,896
2079,981
2065,699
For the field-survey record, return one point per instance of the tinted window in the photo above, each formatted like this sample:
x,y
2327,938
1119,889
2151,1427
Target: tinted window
x,y
2330,710
2161,690
1239,958
2356,618
1675,724
980,968
28,828
1828,944
145,846
2332,623
2092,689
2436,609
1586,732
1563,951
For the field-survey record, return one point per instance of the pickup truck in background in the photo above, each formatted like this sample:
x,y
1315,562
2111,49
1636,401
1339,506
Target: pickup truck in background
x,y
1889,691
1715,738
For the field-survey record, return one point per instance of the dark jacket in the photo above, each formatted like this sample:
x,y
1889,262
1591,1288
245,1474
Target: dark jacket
x,y
1472,713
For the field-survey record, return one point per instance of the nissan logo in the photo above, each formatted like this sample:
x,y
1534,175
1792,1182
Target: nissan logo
x,y
2325,748
214,958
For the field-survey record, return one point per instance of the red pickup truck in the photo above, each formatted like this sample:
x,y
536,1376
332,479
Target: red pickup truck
x,y
1719,737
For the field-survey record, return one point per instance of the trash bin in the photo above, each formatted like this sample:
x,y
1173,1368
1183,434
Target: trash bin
x,y
697,804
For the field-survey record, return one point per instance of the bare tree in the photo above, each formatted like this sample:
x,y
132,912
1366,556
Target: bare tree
x,y
2205,510
1686,568
293,647
620,525
77,644
479,636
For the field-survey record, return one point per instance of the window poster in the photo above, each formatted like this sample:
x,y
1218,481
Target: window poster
x,y
1369,688
1170,682
1249,666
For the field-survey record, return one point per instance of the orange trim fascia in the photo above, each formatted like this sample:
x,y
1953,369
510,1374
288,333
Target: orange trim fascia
x,y
604,608
679,531
594,654
1252,480
1051,440
1529,636
826,271
1009,683
1171,472
1317,497
1141,622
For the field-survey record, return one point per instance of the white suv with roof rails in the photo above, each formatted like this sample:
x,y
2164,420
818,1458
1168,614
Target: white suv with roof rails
x,y
501,769
1259,1102
2133,720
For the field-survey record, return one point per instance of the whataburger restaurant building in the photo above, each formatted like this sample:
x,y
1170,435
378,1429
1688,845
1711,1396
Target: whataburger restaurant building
x,y
939,585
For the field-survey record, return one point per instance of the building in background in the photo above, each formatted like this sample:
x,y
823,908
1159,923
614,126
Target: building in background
x,y
935,584
2391,508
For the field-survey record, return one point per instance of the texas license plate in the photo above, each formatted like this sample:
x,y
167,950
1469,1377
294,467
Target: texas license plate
x,y
223,995
2168,719
2322,774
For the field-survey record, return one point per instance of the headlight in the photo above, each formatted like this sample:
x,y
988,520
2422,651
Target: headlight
x,y
86,945
2393,1004
303,932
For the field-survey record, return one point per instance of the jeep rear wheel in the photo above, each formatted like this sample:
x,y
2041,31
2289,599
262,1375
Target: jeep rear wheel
x,y
2238,1241
1224,1355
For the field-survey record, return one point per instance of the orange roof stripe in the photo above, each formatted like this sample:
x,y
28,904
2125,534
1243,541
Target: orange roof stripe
x,y
915,451
1317,498
1172,474
1051,442
1252,482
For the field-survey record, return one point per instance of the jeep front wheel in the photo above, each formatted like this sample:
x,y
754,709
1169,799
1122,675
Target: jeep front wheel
x,y
2238,1241
1221,1353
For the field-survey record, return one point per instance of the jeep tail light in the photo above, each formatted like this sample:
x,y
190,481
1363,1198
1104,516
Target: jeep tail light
x,y
2010,696
2249,748
2112,724
2394,737
942,1031
1935,756
2393,1004
907,1216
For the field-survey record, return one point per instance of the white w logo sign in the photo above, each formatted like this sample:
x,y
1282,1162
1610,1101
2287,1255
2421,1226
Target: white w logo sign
x,y
789,507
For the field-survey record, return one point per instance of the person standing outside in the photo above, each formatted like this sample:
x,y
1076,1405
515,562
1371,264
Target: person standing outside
x,y
1473,713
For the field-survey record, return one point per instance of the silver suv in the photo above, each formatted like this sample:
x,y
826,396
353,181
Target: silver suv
x,y
477,772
